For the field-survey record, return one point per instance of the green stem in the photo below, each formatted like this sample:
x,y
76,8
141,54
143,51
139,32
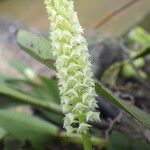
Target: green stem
x,y
86,141
85,136
77,139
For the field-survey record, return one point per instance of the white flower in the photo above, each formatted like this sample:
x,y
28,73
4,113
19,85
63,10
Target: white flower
x,y
93,116
69,119
80,108
73,66
83,127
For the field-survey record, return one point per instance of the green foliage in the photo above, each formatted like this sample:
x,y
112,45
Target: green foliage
x,y
10,143
37,47
3,133
25,127
130,68
139,35
21,97
129,72
120,141
135,112
145,51
111,74
7,102
44,96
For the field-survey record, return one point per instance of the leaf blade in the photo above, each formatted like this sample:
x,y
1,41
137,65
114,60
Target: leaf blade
x,y
135,112
120,141
25,127
28,99
38,47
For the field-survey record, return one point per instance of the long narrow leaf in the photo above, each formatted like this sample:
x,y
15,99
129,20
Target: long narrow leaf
x,y
28,99
25,127
135,112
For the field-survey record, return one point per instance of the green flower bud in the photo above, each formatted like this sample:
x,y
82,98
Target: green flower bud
x,y
73,66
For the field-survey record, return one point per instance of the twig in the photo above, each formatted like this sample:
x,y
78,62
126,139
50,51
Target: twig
x,y
114,13
112,123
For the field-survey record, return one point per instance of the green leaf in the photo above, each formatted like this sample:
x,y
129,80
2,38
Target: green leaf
x,y
22,68
24,98
50,87
19,85
139,35
46,89
129,72
135,112
38,47
3,133
43,87
25,127
7,102
3,77
10,143
120,141
111,74
18,65
53,117
145,51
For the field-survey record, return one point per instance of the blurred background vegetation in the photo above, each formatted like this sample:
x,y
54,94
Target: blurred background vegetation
x,y
119,42
32,13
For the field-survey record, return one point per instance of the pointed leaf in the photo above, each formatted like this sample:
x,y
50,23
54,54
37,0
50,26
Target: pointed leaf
x,y
135,112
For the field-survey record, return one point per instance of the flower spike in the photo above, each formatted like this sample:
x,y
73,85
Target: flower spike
x,y
73,66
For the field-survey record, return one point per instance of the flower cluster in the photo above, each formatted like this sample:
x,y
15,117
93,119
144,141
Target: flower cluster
x,y
73,66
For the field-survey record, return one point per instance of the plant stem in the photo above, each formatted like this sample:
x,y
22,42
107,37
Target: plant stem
x,y
86,141
74,138
85,135
115,12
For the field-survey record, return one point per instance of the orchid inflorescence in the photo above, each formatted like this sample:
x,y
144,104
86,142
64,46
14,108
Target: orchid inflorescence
x,y
73,66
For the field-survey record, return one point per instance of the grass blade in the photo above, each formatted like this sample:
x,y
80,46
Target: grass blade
x,y
135,112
